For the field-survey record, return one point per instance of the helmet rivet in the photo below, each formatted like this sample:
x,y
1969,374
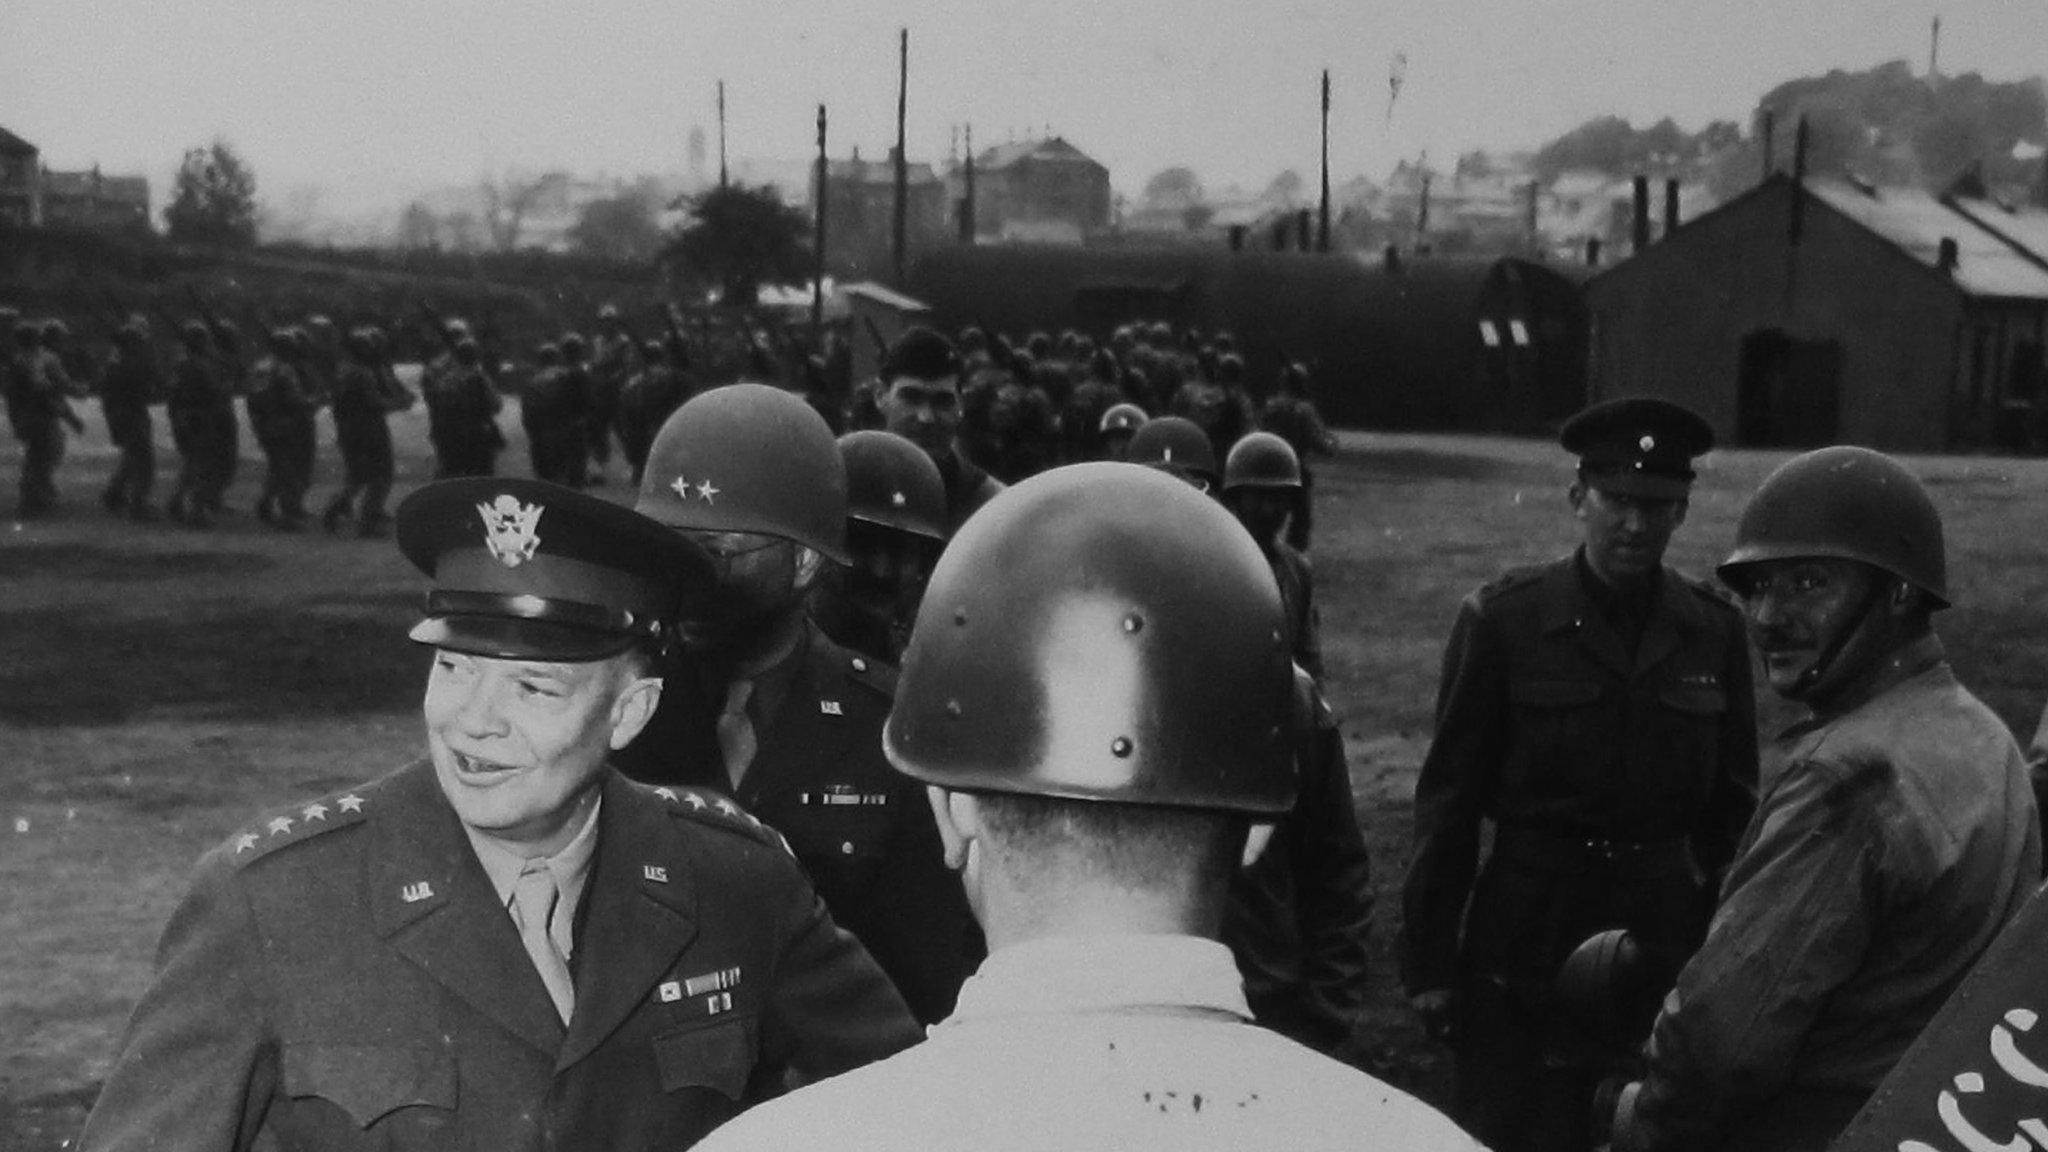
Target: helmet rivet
x,y
1134,623
960,617
953,709
1121,746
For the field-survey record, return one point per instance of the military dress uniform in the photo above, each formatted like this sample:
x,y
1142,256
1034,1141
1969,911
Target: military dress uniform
x,y
1610,741
349,974
861,829
343,976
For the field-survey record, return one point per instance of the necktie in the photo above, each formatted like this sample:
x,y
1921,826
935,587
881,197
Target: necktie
x,y
533,904
736,731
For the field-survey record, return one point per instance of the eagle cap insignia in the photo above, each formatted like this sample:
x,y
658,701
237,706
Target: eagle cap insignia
x,y
511,529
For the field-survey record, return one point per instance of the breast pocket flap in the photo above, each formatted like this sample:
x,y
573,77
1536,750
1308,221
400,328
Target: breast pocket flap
x,y
370,1081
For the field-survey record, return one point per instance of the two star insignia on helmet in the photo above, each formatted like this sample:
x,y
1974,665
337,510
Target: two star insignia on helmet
x,y
511,529
705,490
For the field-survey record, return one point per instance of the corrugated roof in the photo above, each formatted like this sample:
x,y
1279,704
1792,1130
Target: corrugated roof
x,y
1916,223
2022,226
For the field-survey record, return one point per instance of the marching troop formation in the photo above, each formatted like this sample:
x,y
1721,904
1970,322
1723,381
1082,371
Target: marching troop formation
x,y
945,762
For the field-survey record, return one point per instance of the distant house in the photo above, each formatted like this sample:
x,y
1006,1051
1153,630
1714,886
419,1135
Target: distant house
x,y
90,200
860,210
21,199
1836,311
1041,190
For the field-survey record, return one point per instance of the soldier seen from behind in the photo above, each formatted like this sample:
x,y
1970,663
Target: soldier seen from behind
x,y
553,409
130,383
895,528
201,412
767,708
1597,713
1896,841
38,410
1095,703
366,394
1176,446
920,401
462,415
613,358
281,408
657,389
1114,430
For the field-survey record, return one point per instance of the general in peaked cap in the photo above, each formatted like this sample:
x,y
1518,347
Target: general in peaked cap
x,y
528,570
1638,446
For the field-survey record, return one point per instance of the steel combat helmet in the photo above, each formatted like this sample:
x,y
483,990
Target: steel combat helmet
x,y
748,458
1100,632
1261,460
893,483
1844,503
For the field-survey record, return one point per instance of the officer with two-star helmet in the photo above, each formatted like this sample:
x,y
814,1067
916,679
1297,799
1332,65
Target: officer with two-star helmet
x,y
769,709
1097,731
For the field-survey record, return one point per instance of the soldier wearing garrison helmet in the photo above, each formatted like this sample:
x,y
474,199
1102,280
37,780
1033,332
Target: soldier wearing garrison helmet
x,y
764,707
504,944
1895,842
1597,712
1097,732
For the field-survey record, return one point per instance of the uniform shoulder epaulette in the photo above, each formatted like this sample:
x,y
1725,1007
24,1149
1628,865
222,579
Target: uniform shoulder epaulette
x,y
288,826
1512,580
704,806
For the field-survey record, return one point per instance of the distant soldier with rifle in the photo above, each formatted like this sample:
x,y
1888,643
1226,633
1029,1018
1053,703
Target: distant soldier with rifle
x,y
366,393
281,413
131,382
613,353
224,440
462,411
202,416
39,410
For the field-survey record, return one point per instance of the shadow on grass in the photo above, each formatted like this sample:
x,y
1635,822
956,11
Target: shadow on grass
x,y
335,656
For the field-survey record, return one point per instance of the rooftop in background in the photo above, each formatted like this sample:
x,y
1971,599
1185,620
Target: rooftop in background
x,y
1916,222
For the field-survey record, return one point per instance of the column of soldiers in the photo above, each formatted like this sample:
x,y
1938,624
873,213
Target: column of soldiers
x,y
684,837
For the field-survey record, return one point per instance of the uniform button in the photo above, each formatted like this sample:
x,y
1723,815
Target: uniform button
x,y
846,849
859,665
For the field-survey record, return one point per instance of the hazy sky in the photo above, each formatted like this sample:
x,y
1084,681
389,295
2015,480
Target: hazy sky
x,y
374,98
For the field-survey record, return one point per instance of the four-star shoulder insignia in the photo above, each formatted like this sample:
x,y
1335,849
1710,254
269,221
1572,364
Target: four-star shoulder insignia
x,y
718,811
295,825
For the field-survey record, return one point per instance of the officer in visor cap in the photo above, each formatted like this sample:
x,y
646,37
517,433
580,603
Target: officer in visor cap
x,y
504,944
1597,712
1096,733
1895,842
767,709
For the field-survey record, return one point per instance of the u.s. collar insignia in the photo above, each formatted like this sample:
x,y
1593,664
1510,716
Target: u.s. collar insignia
x,y
511,529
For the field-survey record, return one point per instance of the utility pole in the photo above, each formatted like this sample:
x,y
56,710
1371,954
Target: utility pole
x,y
1323,218
721,134
967,223
898,237
818,256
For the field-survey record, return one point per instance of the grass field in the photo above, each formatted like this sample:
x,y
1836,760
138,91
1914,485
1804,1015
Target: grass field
x,y
160,685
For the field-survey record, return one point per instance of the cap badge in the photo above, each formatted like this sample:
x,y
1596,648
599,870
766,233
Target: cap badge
x,y
1647,443
897,500
509,529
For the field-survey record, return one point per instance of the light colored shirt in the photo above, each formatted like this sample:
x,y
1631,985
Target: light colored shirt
x,y
570,868
1121,1042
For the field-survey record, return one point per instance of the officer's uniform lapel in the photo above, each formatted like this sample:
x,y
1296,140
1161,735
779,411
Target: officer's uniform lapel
x,y
431,900
1566,609
642,914
798,736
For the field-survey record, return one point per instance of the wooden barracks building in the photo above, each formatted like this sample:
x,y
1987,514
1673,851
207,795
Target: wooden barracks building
x,y
1837,312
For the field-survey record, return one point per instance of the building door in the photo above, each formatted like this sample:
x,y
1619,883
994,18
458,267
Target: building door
x,y
1788,391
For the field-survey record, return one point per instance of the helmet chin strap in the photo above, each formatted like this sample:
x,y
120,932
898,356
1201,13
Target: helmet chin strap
x,y
1832,650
